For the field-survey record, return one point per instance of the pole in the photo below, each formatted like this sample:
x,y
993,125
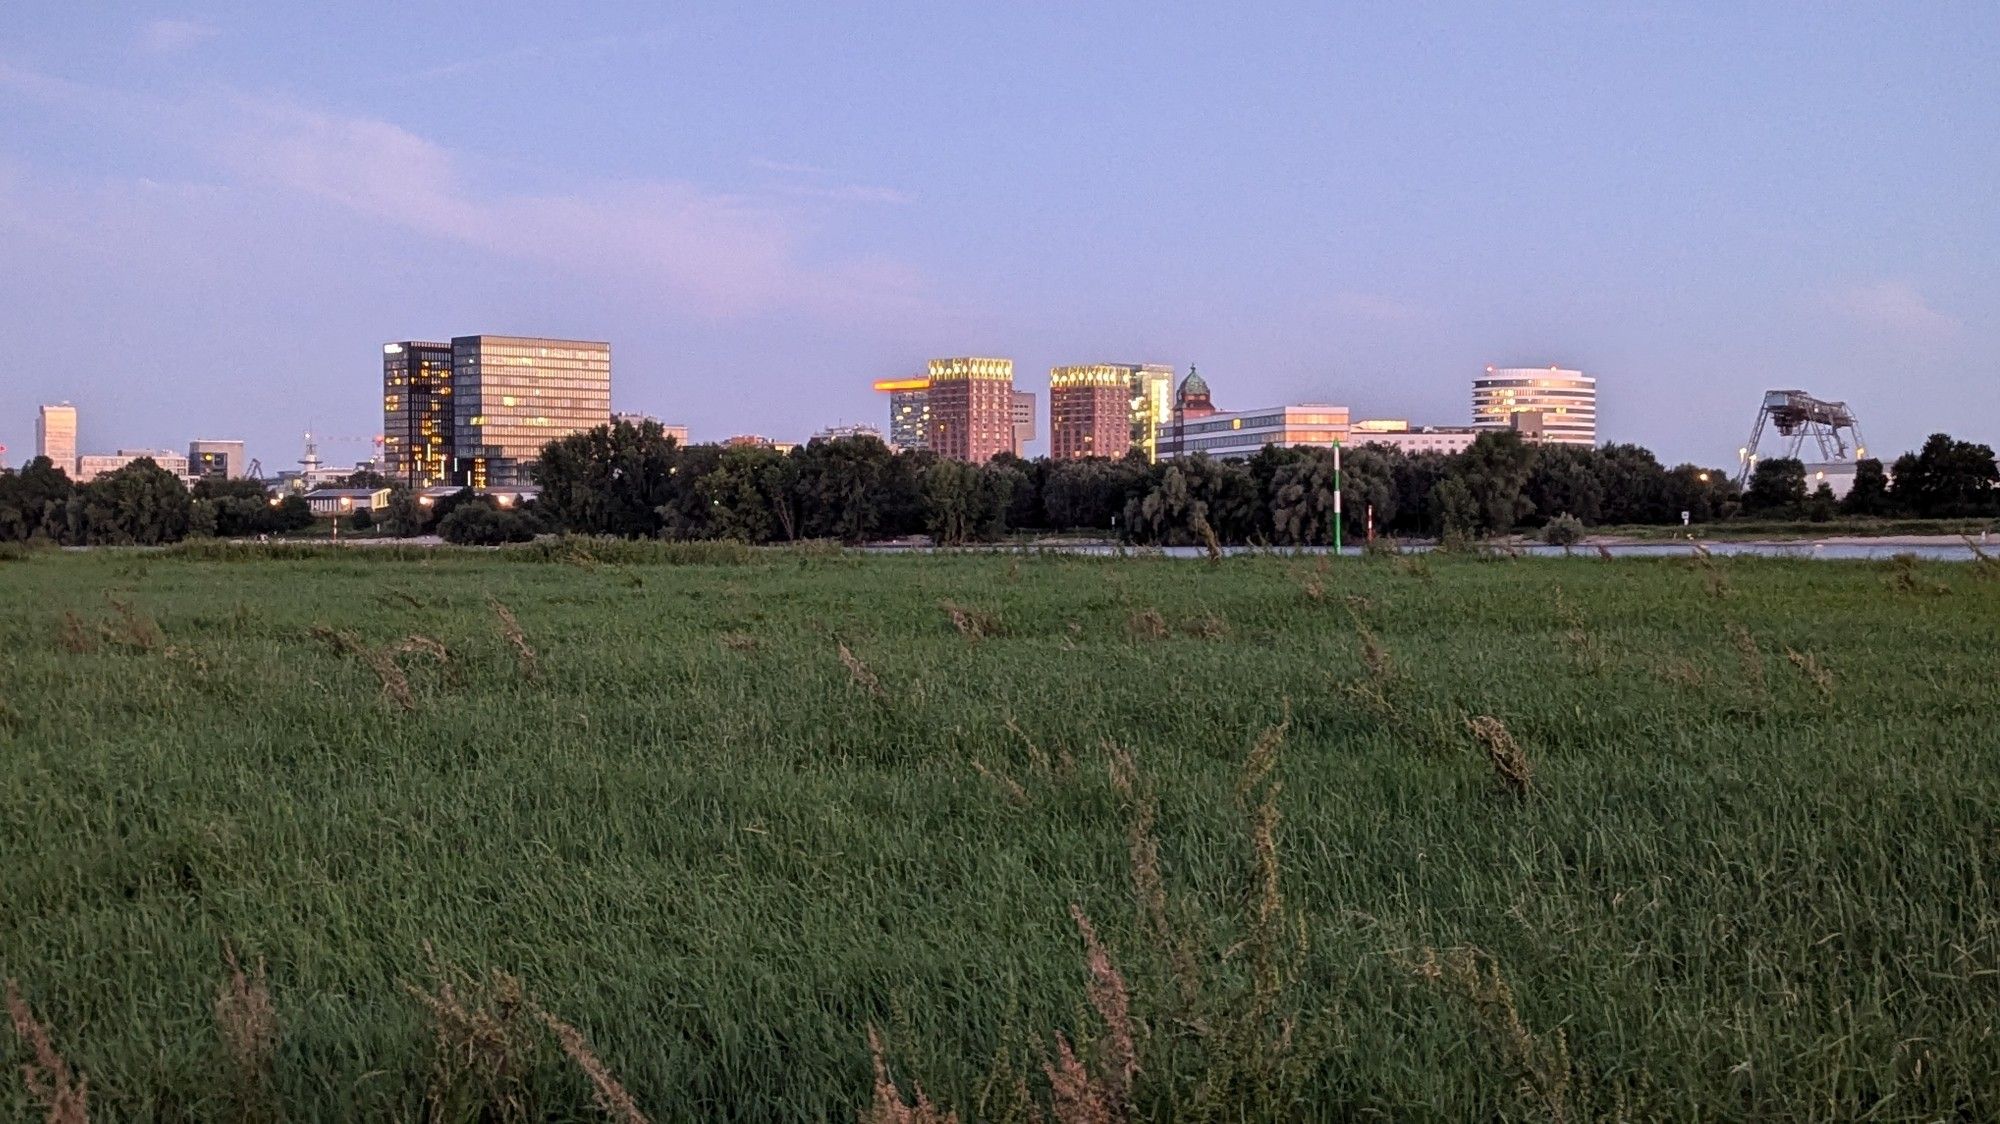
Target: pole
x,y
1336,497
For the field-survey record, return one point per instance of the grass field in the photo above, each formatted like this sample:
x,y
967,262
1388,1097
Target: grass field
x,y
1730,849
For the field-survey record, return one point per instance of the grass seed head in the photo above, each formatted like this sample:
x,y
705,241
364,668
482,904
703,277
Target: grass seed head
x,y
1511,766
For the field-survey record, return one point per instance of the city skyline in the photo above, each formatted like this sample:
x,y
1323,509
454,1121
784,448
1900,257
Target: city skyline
x,y
1694,205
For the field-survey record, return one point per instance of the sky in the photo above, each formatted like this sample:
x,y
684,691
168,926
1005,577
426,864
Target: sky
x,y
212,215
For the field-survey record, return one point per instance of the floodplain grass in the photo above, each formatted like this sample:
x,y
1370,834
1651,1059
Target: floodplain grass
x,y
1542,838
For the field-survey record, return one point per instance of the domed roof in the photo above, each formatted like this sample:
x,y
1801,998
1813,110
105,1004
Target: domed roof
x,y
1193,385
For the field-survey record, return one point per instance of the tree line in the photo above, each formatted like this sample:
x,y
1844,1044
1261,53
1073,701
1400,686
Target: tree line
x,y
634,481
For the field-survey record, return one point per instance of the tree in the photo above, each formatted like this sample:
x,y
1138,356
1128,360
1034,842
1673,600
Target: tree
x,y
1455,510
840,487
1869,494
611,480
1822,506
293,513
1566,478
481,522
1191,499
1777,486
1302,499
1563,530
365,478
1635,486
1368,484
35,501
749,495
1704,493
1495,472
362,520
140,503
1947,478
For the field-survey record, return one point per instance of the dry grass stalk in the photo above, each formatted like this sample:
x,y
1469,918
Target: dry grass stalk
x,y
1751,658
1811,669
860,676
889,1107
481,1046
395,685
65,1098
1540,1064
75,639
1604,552
1208,626
1510,762
1075,1095
132,628
340,640
1007,785
1681,673
1112,1001
738,641
1375,657
247,1022
973,624
1581,645
1147,624
1209,541
605,1089
531,667
1149,889
418,644
1036,758
1314,588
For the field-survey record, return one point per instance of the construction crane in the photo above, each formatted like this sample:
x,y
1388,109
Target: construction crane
x,y
1797,416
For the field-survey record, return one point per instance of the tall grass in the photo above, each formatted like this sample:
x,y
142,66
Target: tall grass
x,y
1246,817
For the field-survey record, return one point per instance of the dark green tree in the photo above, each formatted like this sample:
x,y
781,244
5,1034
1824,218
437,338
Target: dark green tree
x,y
611,480
1777,487
140,503
840,488
1869,494
1566,478
1495,471
1947,478
1301,499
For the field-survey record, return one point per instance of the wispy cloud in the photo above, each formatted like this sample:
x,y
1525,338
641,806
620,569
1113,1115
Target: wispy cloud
x,y
172,36
1893,306
725,254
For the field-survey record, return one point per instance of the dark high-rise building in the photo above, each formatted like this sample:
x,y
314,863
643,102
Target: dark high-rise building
x,y
909,411
417,445
511,395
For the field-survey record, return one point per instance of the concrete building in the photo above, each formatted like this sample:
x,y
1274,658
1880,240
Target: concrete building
x,y
1090,411
1541,403
1243,433
1023,412
417,429
1401,435
208,457
55,436
90,466
511,395
679,433
972,408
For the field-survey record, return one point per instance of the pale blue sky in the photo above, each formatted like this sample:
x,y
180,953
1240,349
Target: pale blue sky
x,y
213,214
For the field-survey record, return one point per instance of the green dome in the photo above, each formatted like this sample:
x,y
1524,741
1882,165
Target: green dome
x,y
1193,386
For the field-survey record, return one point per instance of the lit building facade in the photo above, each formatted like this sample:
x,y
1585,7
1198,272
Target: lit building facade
x,y
1404,437
511,395
1243,433
909,411
90,466
1152,387
417,425
55,436
1023,413
846,432
217,458
1542,403
972,408
1090,411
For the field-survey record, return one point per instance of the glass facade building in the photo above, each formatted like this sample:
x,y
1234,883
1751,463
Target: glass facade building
x,y
1242,434
1543,403
417,424
909,411
511,395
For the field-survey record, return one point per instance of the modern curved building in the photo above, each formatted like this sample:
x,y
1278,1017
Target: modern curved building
x,y
1543,403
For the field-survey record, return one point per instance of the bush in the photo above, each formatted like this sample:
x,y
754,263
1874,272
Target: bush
x,y
362,521
483,523
1564,530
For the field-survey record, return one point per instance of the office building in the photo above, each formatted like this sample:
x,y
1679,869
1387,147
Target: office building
x,y
846,432
90,466
511,395
55,436
1152,387
1541,403
213,458
1090,411
1023,408
972,408
1404,437
417,428
909,411
1243,433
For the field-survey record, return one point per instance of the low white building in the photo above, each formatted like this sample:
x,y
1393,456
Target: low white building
x,y
1401,435
90,466
1242,433
346,501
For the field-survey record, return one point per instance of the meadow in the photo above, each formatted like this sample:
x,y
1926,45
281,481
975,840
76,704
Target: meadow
x,y
389,833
